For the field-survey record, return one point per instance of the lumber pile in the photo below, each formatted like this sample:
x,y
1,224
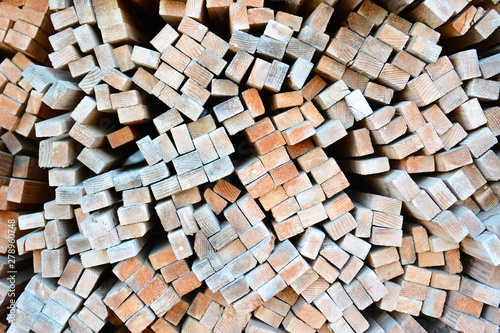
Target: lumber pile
x,y
24,186
250,166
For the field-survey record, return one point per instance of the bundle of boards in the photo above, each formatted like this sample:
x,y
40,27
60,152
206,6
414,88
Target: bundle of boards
x,y
259,166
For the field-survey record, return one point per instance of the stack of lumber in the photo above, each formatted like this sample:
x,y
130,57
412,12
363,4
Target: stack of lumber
x,y
228,166
25,27
23,185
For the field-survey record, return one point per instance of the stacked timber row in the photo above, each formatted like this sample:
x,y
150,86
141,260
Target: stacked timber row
x,y
24,30
22,182
319,166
